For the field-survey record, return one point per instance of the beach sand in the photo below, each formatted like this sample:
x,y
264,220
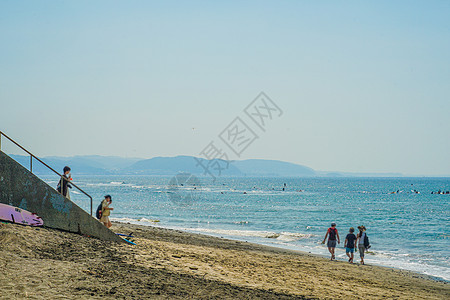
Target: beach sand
x,y
40,263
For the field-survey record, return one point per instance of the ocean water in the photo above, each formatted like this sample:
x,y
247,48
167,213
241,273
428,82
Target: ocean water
x,y
407,230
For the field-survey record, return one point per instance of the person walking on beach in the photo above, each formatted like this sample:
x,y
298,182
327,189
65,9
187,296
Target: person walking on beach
x,y
106,211
360,241
63,183
350,244
333,235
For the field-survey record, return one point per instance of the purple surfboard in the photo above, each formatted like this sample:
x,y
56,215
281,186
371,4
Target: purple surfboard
x,y
19,216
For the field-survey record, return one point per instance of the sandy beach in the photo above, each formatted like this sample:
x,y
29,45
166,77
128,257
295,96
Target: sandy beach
x,y
40,263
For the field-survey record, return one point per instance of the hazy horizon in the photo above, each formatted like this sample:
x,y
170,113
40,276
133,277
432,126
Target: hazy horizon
x,y
320,173
360,87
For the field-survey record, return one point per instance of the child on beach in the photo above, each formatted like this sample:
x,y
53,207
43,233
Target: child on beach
x,y
350,244
106,211
332,234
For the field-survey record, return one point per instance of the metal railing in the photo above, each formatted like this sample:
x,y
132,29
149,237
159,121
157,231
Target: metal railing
x,y
36,158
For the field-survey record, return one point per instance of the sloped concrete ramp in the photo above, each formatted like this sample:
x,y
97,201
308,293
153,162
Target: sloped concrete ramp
x,y
21,188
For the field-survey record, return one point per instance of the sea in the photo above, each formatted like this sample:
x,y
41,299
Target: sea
x,y
407,221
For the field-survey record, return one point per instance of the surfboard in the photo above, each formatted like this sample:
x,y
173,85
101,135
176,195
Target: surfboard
x,y
125,235
129,242
20,216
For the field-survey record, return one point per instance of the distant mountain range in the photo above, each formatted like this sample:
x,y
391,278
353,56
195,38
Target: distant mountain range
x,y
88,165
112,165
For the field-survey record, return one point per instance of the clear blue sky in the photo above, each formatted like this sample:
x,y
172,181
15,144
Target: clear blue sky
x,y
365,87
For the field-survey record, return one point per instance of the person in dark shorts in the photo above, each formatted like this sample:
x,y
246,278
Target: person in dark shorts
x,y
333,236
350,244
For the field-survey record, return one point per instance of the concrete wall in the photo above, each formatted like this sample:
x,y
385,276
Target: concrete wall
x,y
20,188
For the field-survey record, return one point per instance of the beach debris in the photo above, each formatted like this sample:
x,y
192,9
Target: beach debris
x,y
273,236
148,220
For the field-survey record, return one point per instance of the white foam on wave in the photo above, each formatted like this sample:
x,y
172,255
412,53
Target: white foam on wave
x,y
123,220
275,236
112,183
148,220
404,263
51,182
293,236
262,192
281,236
238,233
138,187
139,221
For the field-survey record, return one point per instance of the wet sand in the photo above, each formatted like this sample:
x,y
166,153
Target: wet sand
x,y
39,263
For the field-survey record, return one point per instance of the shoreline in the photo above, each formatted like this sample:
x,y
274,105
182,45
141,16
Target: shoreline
x,y
301,252
45,263
285,250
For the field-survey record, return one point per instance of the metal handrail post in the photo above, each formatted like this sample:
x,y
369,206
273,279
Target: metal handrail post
x,y
91,204
61,182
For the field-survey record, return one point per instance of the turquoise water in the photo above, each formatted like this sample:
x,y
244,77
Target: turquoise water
x,y
407,230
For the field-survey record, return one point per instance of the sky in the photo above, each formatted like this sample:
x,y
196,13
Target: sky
x,y
361,86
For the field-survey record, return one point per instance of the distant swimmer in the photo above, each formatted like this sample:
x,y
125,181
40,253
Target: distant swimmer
x,y
284,187
441,192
